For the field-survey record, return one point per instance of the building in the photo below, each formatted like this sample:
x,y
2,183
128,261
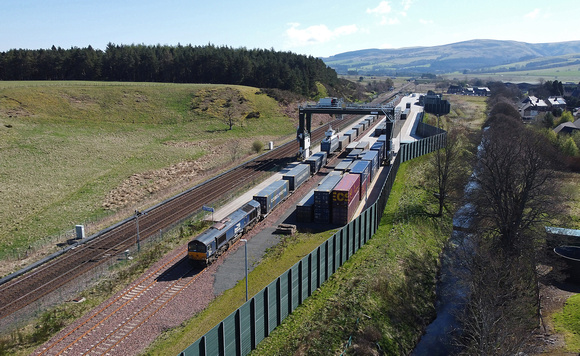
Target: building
x,y
531,107
557,102
568,128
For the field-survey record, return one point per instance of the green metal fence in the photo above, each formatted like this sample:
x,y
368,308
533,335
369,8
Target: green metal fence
x,y
242,330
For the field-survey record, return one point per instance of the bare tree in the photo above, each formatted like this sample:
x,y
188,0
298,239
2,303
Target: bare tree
x,y
512,198
448,168
512,173
499,311
234,108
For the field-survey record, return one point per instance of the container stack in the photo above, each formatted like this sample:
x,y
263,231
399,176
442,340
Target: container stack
x,y
363,169
305,208
342,166
322,199
345,199
363,145
373,157
380,146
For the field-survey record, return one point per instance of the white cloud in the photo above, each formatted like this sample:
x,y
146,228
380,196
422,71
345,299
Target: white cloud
x,y
406,4
533,15
316,34
390,21
425,22
383,8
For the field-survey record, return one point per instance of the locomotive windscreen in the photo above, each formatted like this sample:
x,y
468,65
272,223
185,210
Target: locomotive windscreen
x,y
196,246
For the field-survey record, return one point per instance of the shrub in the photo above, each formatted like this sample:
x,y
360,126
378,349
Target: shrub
x,y
257,146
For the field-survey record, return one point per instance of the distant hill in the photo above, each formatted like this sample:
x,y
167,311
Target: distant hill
x,y
467,56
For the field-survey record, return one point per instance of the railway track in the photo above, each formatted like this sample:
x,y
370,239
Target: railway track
x,y
30,287
104,330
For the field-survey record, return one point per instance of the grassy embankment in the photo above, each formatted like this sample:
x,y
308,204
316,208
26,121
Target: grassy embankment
x,y
66,145
384,293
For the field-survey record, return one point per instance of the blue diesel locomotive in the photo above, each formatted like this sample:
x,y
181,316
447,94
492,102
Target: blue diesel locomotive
x,y
210,244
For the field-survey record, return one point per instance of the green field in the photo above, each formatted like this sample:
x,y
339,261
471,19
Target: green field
x,y
68,148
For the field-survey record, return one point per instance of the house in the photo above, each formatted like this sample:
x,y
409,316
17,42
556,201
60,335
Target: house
x,y
538,103
531,107
557,102
481,91
455,89
568,127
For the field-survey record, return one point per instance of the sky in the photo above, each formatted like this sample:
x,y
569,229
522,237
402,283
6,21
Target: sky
x,y
309,27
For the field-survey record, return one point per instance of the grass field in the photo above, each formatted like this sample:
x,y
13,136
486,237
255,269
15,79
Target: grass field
x,y
66,146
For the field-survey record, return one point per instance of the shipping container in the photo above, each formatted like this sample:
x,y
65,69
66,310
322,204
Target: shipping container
x,y
343,165
341,215
364,186
316,161
272,195
343,141
362,168
297,175
322,194
354,154
329,144
305,208
351,135
359,129
363,145
345,190
379,146
351,146
373,157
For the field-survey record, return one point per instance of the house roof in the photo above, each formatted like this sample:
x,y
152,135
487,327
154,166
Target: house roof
x,y
568,127
556,100
535,101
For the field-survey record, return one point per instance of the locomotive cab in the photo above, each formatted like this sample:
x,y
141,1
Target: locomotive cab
x,y
197,251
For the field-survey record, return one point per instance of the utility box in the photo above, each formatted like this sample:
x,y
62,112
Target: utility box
x,y
80,231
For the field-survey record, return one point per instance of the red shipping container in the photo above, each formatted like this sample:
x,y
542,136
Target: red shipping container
x,y
342,215
344,192
364,186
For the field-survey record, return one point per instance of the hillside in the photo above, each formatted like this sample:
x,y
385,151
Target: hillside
x,y
79,152
467,56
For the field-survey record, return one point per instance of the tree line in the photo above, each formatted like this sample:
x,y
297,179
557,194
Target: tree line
x,y
174,64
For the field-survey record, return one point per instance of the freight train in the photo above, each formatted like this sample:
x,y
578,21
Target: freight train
x,y
211,243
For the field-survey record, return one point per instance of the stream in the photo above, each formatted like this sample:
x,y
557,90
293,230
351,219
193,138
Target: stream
x,y
438,339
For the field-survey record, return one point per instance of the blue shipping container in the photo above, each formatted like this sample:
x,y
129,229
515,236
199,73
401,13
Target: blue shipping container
x,y
297,175
272,195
